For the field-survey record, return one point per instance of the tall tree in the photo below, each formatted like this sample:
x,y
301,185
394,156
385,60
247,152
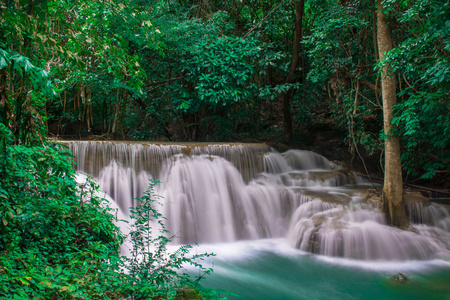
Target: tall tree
x,y
287,118
393,203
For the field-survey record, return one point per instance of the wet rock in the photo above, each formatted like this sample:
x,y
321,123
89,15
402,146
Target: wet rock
x,y
399,277
188,293
331,218
324,196
324,175
415,196
374,197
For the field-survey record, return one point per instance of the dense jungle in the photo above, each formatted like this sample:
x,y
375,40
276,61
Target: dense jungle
x,y
366,83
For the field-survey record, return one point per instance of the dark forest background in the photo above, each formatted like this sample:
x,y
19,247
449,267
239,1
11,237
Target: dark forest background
x,y
302,74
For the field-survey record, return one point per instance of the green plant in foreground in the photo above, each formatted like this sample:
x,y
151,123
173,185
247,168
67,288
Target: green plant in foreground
x,y
152,270
52,245
58,239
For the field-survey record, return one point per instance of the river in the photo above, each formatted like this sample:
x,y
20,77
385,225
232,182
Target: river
x,y
290,225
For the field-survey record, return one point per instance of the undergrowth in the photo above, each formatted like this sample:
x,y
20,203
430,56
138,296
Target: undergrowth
x,y
58,239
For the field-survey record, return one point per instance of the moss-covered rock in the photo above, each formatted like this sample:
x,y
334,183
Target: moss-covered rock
x,y
188,293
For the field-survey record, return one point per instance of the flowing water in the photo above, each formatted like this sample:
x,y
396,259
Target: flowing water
x,y
285,226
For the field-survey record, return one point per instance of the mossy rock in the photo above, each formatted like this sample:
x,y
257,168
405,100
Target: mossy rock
x,y
188,293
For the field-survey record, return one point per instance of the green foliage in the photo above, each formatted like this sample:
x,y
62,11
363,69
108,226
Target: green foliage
x,y
85,45
23,104
423,111
209,78
216,71
341,55
105,70
335,46
54,237
152,270
220,71
58,239
37,77
341,52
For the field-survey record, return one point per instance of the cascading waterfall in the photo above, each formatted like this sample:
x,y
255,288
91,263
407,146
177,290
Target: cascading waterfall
x,y
208,201
228,192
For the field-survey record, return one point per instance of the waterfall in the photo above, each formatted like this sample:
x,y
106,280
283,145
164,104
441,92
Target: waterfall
x,y
228,192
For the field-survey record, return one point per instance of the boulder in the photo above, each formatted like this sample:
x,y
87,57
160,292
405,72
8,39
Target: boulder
x,y
188,293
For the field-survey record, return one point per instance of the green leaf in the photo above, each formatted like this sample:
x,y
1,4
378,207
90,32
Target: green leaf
x,y
2,63
28,65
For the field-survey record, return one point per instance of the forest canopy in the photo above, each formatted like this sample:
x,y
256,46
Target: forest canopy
x,y
293,72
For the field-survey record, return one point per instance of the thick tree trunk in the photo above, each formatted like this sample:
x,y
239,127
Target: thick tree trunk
x,y
287,118
393,202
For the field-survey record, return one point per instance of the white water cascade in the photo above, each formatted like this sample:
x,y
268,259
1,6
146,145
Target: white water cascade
x,y
228,192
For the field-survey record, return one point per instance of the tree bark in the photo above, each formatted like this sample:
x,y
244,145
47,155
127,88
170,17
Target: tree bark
x,y
287,118
393,202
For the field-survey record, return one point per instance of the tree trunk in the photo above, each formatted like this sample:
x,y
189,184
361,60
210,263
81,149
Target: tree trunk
x,y
393,202
287,118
